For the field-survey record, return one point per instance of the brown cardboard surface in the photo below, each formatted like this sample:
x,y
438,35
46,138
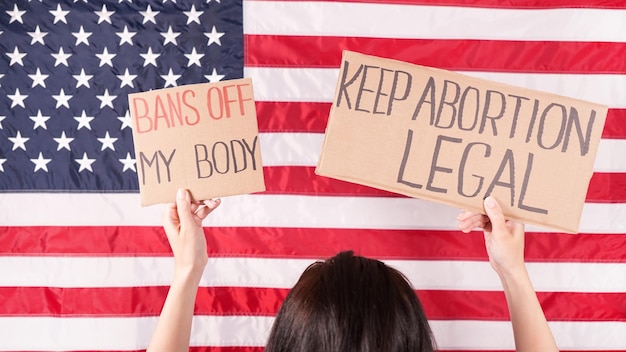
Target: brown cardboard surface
x,y
454,139
203,137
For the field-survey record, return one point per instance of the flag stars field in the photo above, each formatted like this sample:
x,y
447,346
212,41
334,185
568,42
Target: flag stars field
x,y
66,72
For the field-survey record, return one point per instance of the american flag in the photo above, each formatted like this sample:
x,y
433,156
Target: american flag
x,y
84,268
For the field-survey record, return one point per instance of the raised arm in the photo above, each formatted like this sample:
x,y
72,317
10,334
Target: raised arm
x,y
182,222
504,241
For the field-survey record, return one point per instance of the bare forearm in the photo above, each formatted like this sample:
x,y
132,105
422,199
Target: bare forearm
x,y
530,328
173,329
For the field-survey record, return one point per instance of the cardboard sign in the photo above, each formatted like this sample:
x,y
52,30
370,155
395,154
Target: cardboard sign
x,y
454,139
203,137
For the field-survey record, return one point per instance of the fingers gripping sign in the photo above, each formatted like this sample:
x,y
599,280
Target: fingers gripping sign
x,y
182,222
504,239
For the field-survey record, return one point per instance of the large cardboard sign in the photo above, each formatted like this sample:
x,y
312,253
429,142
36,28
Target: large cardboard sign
x,y
203,137
454,139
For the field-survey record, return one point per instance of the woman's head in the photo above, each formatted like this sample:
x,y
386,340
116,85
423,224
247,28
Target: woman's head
x,y
351,303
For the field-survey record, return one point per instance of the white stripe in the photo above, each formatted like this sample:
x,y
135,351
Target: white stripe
x,y
66,334
35,271
304,149
432,22
262,210
318,84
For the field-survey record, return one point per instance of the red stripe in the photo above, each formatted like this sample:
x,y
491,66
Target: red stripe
x,y
450,54
518,4
148,301
273,242
313,118
300,180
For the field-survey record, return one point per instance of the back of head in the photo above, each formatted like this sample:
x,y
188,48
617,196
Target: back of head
x,y
351,303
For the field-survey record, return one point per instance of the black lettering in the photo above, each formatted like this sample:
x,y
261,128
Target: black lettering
x,y
405,158
234,155
464,158
542,123
462,108
379,92
205,159
533,117
225,157
251,151
520,204
518,105
451,104
362,89
510,161
486,116
433,166
343,86
584,141
407,89
428,90
150,162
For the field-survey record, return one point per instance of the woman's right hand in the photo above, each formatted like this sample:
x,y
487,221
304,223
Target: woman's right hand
x,y
504,240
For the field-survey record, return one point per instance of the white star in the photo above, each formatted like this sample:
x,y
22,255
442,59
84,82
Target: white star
x,y
127,79
83,121
62,99
59,14
130,1
170,79
149,58
38,79
41,163
2,161
170,36
104,15
214,37
1,75
16,57
4,117
129,163
208,1
164,1
106,99
19,141
40,120
107,142
16,14
82,36
126,36
64,142
149,15
82,79
193,15
194,58
214,77
85,163
61,58
126,122
17,98
37,36
105,58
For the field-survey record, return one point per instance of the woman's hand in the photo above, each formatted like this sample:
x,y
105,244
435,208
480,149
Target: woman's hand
x,y
182,222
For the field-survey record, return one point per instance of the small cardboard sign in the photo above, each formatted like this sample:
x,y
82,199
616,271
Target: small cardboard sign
x,y
454,139
203,137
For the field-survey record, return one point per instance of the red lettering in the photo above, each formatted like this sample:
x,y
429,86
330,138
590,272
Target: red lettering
x,y
195,111
241,98
141,115
210,103
159,113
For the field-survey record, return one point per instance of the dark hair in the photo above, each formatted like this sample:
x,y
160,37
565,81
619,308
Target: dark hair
x,y
351,303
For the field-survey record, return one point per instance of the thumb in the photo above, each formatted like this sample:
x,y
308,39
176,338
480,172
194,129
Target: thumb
x,y
494,212
183,206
